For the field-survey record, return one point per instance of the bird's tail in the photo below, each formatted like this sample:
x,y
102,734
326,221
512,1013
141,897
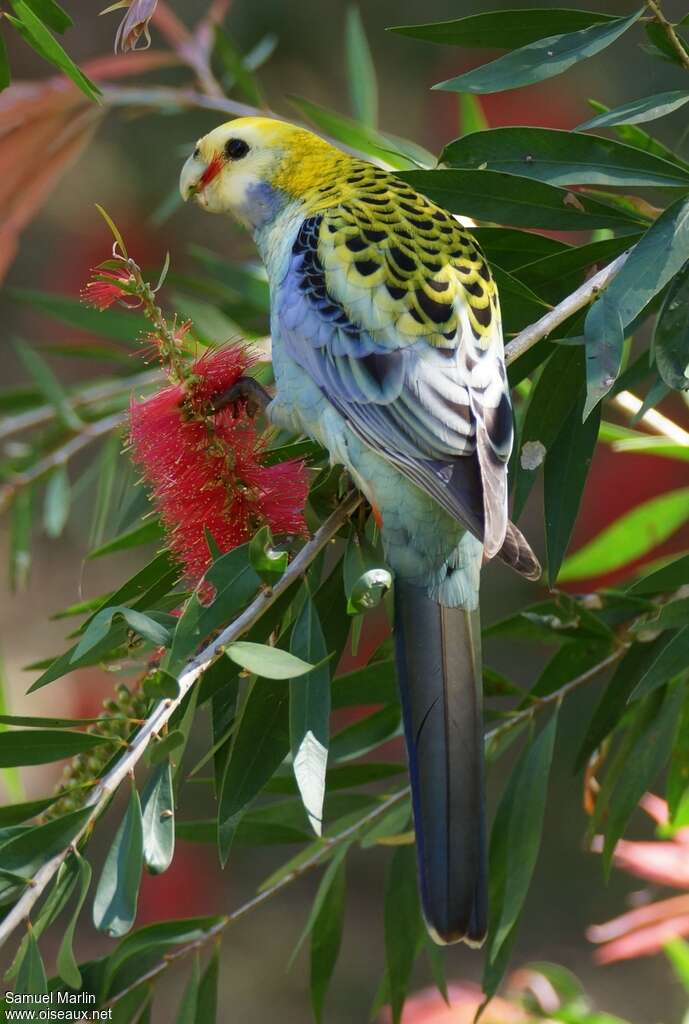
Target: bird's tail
x,y
439,669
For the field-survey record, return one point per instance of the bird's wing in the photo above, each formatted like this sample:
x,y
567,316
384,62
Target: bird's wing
x,y
390,307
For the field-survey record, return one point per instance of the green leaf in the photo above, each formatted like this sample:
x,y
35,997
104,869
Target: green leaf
x,y
14,814
24,854
677,784
397,153
361,71
672,659
326,931
31,979
309,713
207,997
373,684
20,539
67,966
34,32
514,200
11,777
503,29
653,262
101,624
541,59
114,905
566,468
615,697
145,533
668,577
630,537
158,752
235,65
677,952
648,755
115,324
648,108
366,734
471,115
161,685
516,837
670,345
562,158
51,14
402,925
157,939
63,664
604,349
265,560
49,385
41,746
158,819
57,502
187,1013
550,403
260,745
5,74
267,662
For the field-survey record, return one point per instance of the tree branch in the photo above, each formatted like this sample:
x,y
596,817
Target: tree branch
x,y
669,29
161,714
585,294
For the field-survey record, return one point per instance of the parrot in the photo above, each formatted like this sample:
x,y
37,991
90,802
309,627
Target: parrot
x,y
387,350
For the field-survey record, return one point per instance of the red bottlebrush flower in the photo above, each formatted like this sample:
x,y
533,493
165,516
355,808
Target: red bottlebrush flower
x,y
645,930
205,470
106,288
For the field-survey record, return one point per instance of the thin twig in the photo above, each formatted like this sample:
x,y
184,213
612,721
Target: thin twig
x,y
163,711
669,29
44,414
59,457
349,833
588,291
652,419
329,843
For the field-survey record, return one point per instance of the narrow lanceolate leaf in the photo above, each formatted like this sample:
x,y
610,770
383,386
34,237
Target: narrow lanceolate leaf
x,y
550,403
265,661
671,338
566,468
100,625
187,1011
51,14
361,72
515,200
67,966
23,854
158,819
5,73
11,777
641,768
260,745
34,32
541,59
31,979
56,503
562,158
654,261
49,385
114,905
265,560
648,108
516,837
668,577
604,347
672,659
326,883
402,925
309,714
630,537
326,933
503,29
207,996
41,746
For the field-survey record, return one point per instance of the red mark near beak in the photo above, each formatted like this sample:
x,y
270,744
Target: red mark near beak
x,y
212,171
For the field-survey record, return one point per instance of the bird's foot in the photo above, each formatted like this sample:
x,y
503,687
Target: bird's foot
x,y
245,391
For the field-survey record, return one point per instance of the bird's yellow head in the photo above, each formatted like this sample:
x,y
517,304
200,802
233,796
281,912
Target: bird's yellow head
x,y
253,166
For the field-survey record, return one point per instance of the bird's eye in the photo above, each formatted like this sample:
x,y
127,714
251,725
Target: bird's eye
x,y
197,153
235,149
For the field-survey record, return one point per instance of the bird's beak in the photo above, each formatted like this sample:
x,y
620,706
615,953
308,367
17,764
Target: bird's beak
x,y
190,178
196,175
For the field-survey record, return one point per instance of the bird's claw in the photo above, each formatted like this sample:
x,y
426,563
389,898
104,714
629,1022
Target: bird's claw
x,y
245,391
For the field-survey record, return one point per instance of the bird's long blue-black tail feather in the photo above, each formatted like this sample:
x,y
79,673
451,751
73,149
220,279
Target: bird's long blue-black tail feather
x,y
439,670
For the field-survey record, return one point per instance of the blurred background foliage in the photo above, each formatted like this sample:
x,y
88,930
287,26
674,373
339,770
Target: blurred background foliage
x,y
69,154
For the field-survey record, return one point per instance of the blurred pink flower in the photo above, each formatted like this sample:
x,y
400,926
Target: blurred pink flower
x,y
645,930
429,1007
